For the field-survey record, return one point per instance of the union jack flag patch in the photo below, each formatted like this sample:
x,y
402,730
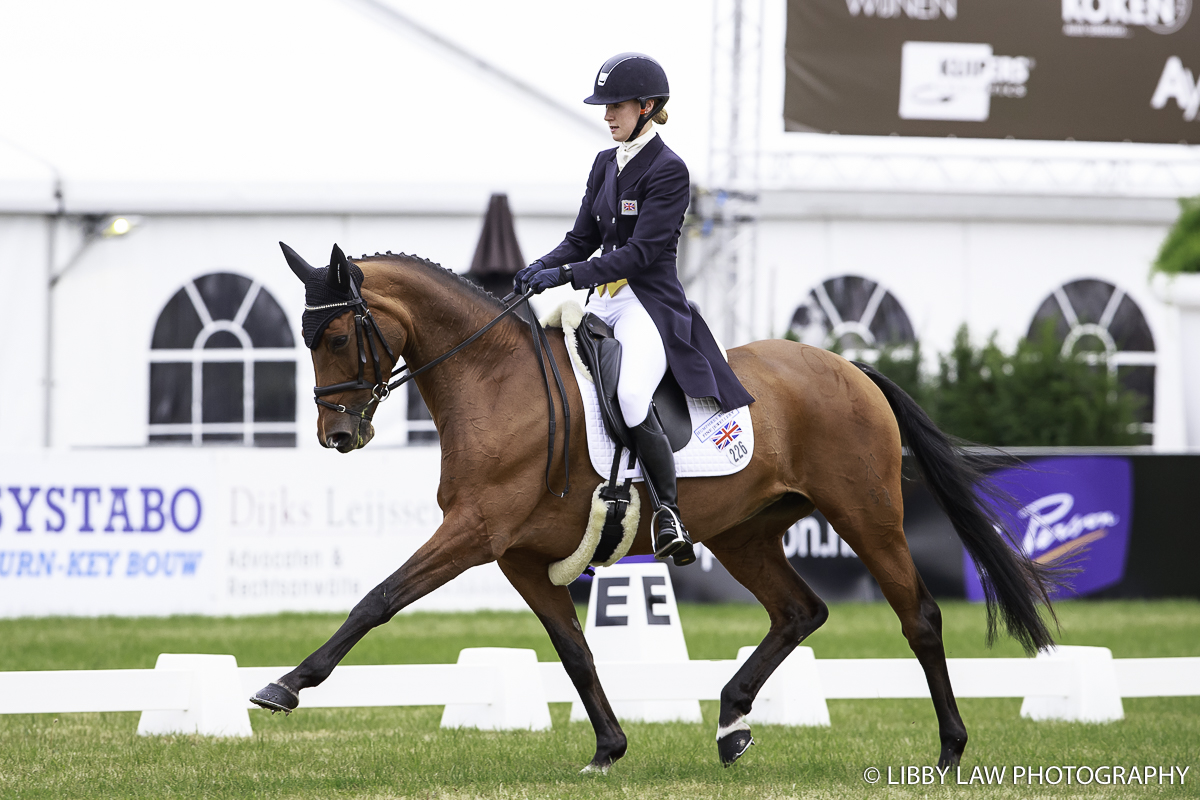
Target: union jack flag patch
x,y
629,207
725,436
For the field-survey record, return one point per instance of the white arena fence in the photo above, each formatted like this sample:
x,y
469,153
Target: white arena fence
x,y
508,689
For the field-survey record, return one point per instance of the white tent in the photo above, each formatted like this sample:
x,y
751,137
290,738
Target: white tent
x,y
386,124
225,126
316,105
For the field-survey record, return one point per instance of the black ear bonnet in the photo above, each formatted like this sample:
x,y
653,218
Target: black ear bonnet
x,y
324,303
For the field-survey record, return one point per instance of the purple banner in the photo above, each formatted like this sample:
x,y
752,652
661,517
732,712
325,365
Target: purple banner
x,y
1079,508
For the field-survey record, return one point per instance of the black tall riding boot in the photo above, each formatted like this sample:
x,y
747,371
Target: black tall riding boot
x,y
658,467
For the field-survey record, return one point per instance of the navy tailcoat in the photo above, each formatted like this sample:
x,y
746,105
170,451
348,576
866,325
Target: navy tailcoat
x,y
634,219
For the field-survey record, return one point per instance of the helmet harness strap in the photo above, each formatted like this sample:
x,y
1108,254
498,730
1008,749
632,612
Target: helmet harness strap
x,y
643,118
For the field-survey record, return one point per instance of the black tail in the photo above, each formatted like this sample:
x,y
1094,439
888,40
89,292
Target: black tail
x,y
1012,582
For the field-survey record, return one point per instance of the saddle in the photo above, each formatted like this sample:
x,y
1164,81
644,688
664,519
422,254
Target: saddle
x,y
601,353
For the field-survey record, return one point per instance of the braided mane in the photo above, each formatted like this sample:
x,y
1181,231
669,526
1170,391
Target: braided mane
x,y
447,276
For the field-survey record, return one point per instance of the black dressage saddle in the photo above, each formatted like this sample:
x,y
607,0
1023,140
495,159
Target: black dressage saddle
x,y
601,353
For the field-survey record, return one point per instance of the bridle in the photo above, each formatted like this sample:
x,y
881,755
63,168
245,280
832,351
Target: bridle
x,y
365,329
366,332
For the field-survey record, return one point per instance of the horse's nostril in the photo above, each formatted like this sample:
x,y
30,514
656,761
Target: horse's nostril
x,y
338,439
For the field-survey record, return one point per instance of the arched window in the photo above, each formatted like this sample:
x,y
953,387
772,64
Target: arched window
x,y
855,314
223,366
1098,322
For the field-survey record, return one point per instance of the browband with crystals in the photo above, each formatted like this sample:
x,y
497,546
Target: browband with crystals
x,y
331,305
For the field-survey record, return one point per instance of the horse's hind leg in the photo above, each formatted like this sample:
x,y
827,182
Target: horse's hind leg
x,y
878,540
554,608
753,554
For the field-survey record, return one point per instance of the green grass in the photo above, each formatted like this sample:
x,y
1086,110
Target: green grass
x,y
401,752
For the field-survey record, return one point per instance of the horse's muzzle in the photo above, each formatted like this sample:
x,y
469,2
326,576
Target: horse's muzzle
x,y
352,437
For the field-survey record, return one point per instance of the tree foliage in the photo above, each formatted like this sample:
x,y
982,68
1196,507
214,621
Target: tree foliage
x,y
1180,251
1032,396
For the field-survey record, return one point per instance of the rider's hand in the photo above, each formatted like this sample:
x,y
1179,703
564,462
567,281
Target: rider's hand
x,y
521,279
546,279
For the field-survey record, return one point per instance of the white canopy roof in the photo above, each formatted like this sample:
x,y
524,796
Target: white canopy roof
x,y
320,105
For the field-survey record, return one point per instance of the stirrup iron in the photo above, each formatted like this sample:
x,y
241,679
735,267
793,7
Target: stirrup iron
x,y
680,540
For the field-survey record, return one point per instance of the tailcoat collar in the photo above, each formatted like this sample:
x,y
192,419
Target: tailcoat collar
x,y
638,165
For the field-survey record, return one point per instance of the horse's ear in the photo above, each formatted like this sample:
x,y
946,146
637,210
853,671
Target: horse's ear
x,y
298,264
339,271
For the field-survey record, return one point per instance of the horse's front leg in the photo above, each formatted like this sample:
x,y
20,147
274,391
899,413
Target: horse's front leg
x,y
460,543
552,605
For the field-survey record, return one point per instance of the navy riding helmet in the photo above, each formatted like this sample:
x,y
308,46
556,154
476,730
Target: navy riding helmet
x,y
631,76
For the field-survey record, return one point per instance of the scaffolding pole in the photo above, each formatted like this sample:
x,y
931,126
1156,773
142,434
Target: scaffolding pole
x,y
726,210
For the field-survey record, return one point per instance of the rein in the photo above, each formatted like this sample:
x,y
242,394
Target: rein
x,y
365,328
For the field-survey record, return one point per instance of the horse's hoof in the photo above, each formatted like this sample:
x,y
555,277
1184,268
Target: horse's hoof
x,y
276,697
601,769
731,746
951,755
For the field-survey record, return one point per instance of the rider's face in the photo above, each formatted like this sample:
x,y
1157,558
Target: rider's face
x,y
621,118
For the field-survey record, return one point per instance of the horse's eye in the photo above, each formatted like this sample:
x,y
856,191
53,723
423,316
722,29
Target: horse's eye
x,y
339,342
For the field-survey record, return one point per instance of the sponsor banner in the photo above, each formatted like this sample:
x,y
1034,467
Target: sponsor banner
x,y
829,566
1098,70
219,531
1076,508
1075,505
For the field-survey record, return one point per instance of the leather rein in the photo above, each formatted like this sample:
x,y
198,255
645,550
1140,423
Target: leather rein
x,y
367,331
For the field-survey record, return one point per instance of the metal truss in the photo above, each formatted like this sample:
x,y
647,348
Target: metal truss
x,y
724,213
984,167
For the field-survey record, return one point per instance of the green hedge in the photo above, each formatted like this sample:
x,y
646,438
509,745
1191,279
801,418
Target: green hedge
x,y
1180,251
1032,396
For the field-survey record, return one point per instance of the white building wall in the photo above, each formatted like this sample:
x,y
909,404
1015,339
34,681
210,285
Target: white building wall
x,y
106,306
990,270
24,244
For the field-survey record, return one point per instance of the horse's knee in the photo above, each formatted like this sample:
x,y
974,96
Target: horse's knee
x,y
579,665
374,609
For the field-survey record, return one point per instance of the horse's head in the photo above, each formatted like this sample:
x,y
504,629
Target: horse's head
x,y
351,358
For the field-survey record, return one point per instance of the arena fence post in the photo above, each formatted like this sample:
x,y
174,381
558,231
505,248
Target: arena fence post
x,y
633,617
1093,692
793,695
519,701
215,705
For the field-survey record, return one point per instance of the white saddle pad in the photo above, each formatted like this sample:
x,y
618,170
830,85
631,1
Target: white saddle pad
x,y
722,443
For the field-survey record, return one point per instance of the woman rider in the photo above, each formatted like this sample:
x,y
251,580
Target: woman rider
x,y
632,212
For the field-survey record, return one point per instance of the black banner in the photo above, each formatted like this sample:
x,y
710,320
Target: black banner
x,y
1094,70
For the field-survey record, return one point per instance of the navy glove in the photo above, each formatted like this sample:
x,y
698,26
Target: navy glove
x,y
521,279
549,278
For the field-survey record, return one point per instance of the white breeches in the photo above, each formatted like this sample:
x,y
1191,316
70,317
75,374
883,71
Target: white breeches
x,y
643,357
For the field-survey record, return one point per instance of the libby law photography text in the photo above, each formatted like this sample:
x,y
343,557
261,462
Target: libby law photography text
x,y
1018,775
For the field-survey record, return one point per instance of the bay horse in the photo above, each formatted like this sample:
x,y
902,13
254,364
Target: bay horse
x,y
827,436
